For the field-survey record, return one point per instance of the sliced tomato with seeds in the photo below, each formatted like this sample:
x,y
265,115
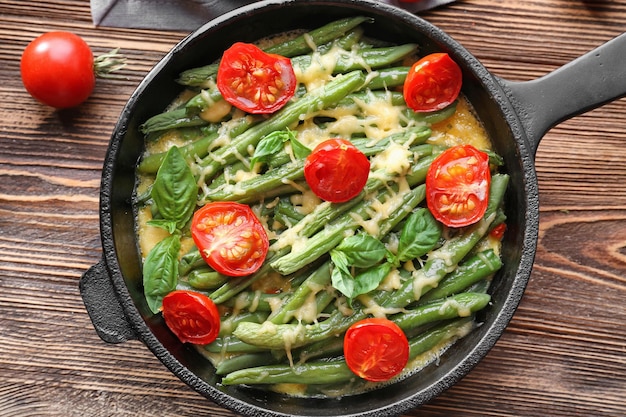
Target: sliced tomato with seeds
x,y
433,83
255,81
457,186
191,316
376,349
230,238
336,170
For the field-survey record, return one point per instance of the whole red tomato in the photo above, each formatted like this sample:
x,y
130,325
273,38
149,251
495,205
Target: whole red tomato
x,y
58,69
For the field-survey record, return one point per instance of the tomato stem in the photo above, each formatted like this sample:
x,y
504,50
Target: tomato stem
x,y
105,64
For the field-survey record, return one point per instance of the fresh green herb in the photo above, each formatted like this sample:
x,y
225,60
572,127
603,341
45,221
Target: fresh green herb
x,y
419,235
174,192
358,251
160,271
274,142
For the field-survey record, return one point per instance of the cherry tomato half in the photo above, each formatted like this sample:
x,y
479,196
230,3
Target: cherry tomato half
x,y
192,316
457,186
255,81
230,238
433,83
376,349
336,170
498,231
57,69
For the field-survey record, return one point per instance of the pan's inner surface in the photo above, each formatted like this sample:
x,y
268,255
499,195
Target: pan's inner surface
x,y
256,22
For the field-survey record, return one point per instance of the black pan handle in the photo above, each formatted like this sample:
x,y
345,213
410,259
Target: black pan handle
x,y
589,81
103,305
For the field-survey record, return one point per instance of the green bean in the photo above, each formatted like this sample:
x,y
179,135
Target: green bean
x,y
327,372
246,360
278,336
260,184
347,41
336,371
196,77
288,209
388,77
170,120
229,323
230,344
474,269
317,99
444,259
256,187
191,260
430,117
367,59
459,305
235,285
301,44
202,101
424,343
253,301
316,281
205,278
481,286
322,242
200,148
353,101
324,34
440,334
323,348
284,220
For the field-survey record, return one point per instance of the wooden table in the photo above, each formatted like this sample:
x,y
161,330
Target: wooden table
x,y
564,353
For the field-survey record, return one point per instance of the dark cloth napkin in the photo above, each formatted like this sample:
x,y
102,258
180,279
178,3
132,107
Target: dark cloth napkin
x,y
188,15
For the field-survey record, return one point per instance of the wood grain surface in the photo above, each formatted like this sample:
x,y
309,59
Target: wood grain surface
x,y
564,353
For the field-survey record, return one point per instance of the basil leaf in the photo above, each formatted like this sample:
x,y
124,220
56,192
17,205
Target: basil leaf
x,y
160,271
299,150
175,190
168,225
340,276
270,145
362,250
273,143
419,235
342,282
370,279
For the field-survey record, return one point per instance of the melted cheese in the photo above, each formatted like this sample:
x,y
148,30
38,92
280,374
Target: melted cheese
x,y
396,159
375,309
462,311
462,127
149,236
308,311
